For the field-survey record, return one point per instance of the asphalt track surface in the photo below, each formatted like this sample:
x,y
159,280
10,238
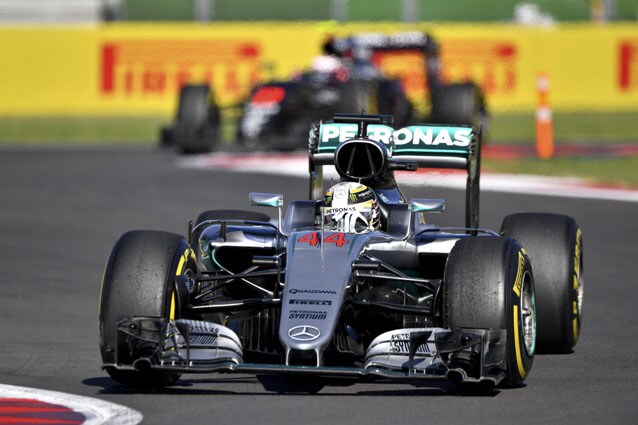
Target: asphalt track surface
x,y
61,211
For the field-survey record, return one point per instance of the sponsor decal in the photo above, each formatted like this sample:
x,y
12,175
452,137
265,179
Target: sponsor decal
x,y
161,66
307,315
337,210
269,94
492,63
310,302
304,333
418,135
628,65
400,344
311,291
519,274
256,116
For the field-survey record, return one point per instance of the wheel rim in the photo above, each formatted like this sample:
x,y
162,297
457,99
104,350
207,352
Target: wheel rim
x,y
581,281
183,269
528,314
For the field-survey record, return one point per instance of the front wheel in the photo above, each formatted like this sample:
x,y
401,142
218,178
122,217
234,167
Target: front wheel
x,y
139,281
489,285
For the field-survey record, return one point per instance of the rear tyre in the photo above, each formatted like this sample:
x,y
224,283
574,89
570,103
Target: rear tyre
x,y
197,126
489,285
554,244
459,104
139,280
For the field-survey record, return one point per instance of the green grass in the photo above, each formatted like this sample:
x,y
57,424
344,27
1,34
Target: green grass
x,y
607,171
586,127
573,127
79,130
590,128
365,10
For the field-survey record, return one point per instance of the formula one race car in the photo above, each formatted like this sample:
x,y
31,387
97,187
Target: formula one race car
x,y
352,283
347,78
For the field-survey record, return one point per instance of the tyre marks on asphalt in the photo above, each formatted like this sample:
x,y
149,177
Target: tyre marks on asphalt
x,y
296,164
21,405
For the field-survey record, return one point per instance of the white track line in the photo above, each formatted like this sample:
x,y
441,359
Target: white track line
x,y
97,412
297,165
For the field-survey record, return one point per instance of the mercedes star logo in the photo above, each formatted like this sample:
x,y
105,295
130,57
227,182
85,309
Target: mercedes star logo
x,y
304,333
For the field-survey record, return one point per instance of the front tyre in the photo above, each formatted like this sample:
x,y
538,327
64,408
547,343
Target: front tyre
x,y
139,280
489,285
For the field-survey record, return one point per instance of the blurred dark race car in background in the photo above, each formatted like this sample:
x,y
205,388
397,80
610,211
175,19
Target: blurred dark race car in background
x,y
346,78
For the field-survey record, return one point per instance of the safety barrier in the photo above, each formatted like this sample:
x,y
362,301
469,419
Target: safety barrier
x,y
137,69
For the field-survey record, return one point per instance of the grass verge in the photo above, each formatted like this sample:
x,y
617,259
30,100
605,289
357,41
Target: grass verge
x,y
621,172
79,130
573,127
589,127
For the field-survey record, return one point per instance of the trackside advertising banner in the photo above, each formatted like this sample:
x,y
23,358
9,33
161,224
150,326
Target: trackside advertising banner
x,y
125,69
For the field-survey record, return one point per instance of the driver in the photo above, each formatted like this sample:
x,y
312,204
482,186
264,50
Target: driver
x,y
329,61
351,208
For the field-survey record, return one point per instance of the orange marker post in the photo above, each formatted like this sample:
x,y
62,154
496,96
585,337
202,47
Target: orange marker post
x,y
544,127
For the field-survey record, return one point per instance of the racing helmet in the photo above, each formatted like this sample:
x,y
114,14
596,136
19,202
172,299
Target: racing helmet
x,y
351,208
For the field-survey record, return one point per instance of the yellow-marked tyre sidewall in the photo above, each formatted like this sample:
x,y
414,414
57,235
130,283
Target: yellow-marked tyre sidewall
x,y
483,283
554,245
519,360
139,281
184,263
575,312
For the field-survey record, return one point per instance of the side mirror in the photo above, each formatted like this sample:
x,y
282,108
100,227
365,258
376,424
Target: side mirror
x,y
271,200
427,205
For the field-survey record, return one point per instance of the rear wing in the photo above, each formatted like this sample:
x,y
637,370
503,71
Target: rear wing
x,y
380,44
409,148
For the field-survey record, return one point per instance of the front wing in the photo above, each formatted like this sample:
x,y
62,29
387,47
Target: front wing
x,y
416,354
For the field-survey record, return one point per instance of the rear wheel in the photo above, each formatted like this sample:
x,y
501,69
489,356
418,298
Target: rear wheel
x,y
459,104
139,280
554,244
197,126
489,285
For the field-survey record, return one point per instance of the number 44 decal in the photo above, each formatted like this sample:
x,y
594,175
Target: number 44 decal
x,y
339,239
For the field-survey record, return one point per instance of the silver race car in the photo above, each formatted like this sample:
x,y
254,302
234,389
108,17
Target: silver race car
x,y
355,282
